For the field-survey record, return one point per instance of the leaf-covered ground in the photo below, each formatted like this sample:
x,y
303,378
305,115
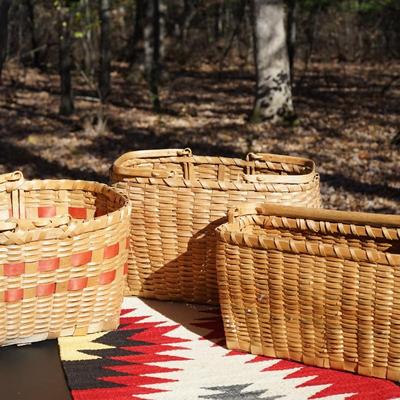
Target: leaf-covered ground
x,y
349,115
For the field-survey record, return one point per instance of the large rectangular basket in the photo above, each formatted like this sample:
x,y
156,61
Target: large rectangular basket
x,y
63,254
317,286
177,201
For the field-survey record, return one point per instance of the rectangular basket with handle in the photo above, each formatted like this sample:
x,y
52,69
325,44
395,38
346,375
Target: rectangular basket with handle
x,y
63,255
177,201
317,286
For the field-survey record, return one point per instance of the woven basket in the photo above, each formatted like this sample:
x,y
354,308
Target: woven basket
x,y
63,252
317,286
177,201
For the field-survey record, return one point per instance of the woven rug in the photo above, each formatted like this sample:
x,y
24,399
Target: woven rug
x,y
170,351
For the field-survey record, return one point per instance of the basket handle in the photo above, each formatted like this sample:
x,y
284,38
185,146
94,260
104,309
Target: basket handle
x,y
253,158
321,214
119,169
240,211
12,180
317,214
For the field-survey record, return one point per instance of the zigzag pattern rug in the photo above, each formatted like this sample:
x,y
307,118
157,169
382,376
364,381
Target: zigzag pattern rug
x,y
170,351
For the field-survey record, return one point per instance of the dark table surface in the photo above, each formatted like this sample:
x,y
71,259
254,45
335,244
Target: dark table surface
x,y
32,372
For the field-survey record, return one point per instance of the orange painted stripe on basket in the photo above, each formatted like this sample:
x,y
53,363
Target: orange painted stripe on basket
x,y
77,284
111,251
11,295
107,277
127,243
125,268
81,258
50,264
45,289
15,269
77,212
44,212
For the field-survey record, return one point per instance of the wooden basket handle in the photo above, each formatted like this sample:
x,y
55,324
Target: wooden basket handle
x,y
12,180
321,214
119,169
317,214
253,158
239,211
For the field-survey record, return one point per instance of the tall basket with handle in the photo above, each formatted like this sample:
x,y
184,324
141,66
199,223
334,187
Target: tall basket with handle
x,y
178,199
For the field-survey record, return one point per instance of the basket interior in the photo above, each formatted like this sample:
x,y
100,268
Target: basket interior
x,y
46,203
273,226
215,168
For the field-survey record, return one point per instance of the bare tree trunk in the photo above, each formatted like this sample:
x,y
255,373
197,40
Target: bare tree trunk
x,y
238,17
291,34
137,36
152,51
309,31
30,7
105,51
217,20
248,37
162,6
189,12
87,40
65,62
273,100
18,17
4,9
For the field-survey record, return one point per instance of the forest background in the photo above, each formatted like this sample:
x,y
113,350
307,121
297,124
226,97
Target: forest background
x,y
83,81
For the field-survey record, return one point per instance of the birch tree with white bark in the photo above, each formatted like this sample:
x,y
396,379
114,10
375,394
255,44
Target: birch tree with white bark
x,y
273,101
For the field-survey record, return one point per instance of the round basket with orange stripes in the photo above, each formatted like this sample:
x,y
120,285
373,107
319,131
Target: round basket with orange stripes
x,y
63,254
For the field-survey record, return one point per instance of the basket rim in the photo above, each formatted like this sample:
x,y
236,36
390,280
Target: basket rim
x,y
224,185
324,221
181,156
320,214
16,234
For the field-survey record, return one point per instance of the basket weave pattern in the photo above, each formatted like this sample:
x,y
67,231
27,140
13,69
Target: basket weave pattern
x,y
63,255
315,286
177,201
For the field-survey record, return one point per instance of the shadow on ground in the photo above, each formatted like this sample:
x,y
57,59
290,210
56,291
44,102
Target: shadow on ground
x,y
348,116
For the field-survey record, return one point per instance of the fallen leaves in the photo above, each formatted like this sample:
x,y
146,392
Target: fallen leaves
x,y
345,124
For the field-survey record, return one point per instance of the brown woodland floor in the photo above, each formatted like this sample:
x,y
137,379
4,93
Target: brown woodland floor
x,y
348,116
